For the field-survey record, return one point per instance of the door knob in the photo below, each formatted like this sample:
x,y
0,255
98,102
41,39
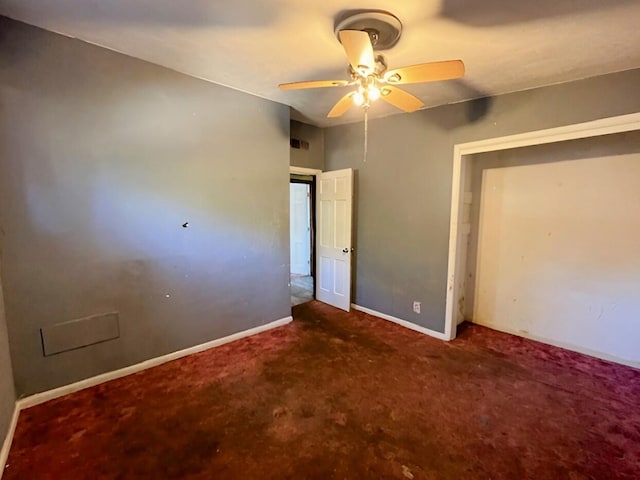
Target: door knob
x,y
345,250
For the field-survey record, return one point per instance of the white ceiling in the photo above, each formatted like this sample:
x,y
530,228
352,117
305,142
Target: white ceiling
x,y
253,45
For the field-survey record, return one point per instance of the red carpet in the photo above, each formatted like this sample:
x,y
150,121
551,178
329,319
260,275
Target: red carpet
x,y
346,396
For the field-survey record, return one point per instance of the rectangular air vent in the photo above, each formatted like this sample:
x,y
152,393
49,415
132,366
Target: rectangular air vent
x,y
299,144
80,332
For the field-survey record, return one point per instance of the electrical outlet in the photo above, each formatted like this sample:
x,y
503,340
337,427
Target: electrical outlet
x,y
416,306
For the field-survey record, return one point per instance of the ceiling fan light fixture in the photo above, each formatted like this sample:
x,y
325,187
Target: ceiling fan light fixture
x,y
373,92
395,78
362,33
358,98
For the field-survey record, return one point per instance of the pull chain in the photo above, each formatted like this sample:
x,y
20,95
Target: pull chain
x,y
366,132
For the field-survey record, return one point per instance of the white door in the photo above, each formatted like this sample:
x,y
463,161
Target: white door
x,y
300,229
333,215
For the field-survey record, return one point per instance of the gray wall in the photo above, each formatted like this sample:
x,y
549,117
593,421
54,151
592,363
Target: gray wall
x,y
102,159
404,189
7,392
314,157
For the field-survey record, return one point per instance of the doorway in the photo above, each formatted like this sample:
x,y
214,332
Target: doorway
x,y
329,206
462,205
553,254
302,237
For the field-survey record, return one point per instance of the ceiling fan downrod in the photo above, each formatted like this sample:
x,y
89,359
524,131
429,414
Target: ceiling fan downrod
x,y
366,133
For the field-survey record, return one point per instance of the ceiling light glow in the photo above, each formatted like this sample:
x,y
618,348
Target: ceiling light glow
x,y
374,93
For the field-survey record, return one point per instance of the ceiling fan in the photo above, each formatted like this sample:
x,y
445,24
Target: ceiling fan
x,y
361,34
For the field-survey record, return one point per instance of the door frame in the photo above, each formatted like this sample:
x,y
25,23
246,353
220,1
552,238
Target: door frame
x,y
311,172
461,161
312,221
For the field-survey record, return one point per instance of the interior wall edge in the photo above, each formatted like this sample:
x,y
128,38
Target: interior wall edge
x,y
404,188
6,445
7,381
41,397
566,346
401,322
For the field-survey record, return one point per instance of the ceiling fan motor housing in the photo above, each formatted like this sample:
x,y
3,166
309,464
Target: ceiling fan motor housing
x,y
384,29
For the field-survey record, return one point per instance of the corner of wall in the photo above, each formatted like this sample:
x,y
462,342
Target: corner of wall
x,y
8,411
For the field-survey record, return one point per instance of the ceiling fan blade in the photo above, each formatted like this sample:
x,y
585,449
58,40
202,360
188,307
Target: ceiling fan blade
x,y
359,50
426,72
401,99
342,106
313,84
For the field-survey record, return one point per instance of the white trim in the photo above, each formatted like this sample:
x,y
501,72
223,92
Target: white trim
x,y
39,398
594,128
604,126
316,173
449,318
566,346
399,321
304,171
6,446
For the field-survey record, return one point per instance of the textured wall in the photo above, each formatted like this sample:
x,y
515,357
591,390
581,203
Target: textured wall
x,y
601,146
558,245
404,189
103,158
7,392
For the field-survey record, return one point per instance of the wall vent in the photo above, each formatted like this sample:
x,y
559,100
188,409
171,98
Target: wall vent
x,y
79,333
299,144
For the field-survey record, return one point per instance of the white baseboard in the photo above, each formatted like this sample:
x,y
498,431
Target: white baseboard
x,y
399,321
39,398
566,346
6,445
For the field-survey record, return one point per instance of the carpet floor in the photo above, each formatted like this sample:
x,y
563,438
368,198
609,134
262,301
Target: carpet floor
x,y
338,395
